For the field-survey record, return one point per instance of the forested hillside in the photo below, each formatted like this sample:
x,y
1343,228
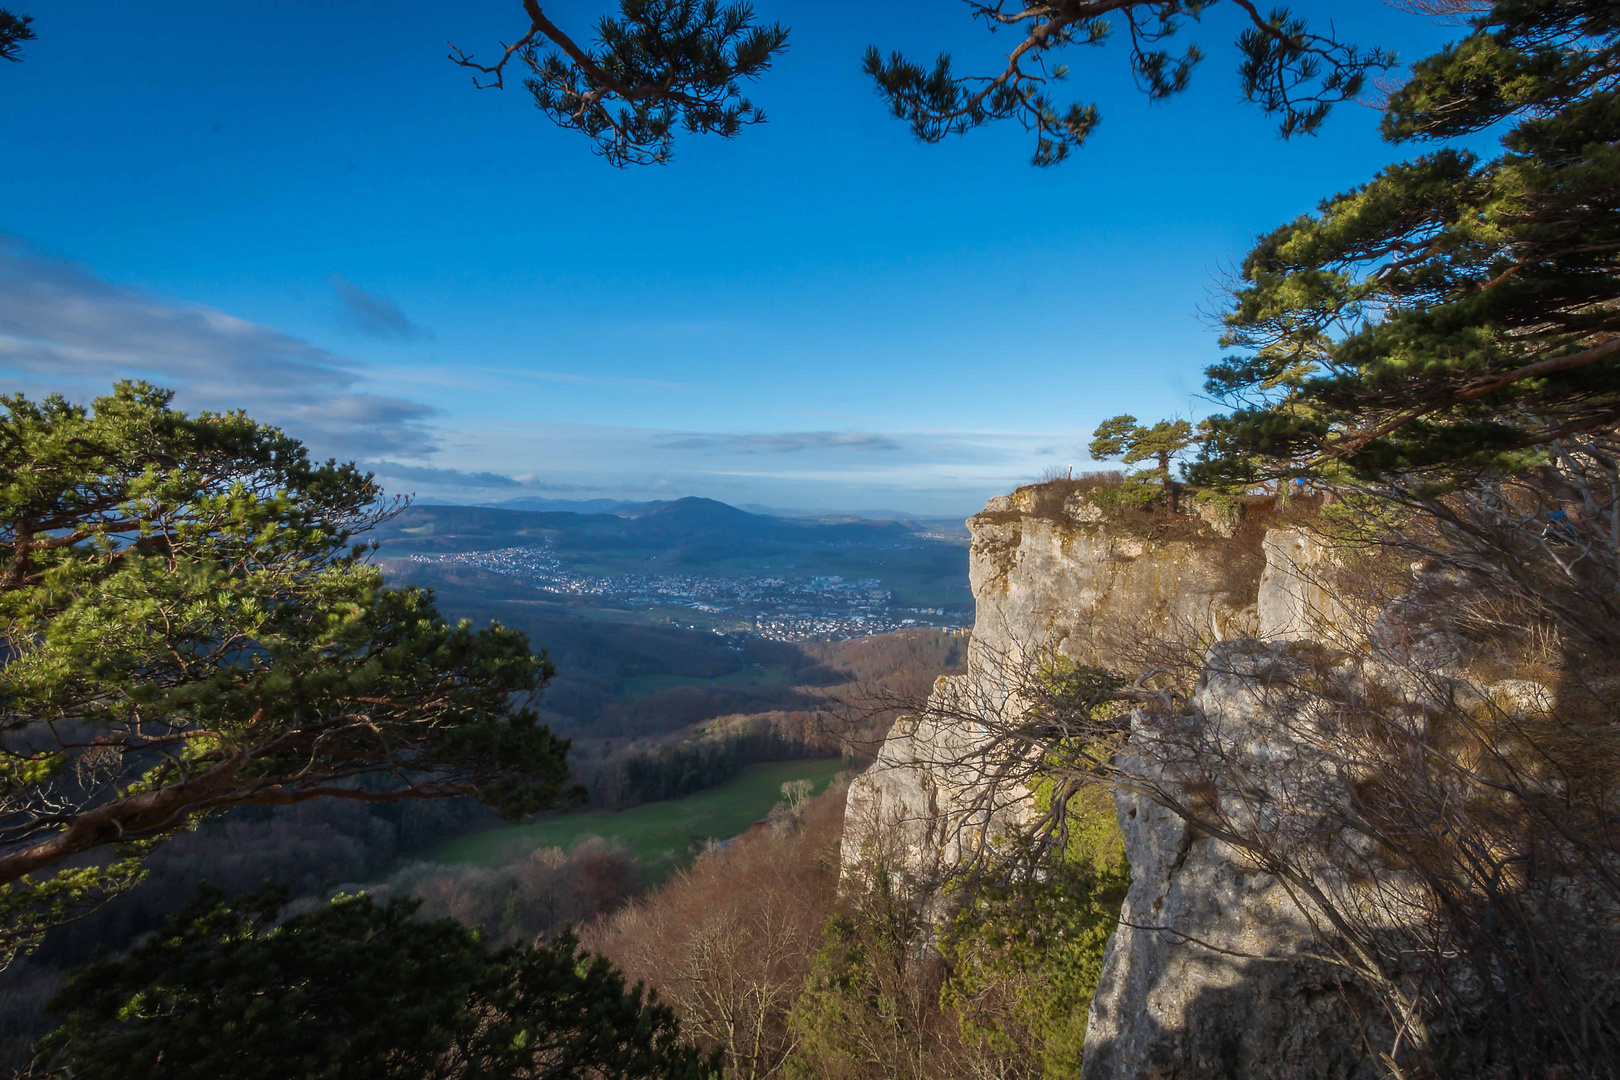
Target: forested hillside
x,y
315,847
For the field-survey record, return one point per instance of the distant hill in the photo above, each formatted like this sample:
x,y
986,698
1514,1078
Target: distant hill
x,y
572,506
629,508
850,515
717,566
685,532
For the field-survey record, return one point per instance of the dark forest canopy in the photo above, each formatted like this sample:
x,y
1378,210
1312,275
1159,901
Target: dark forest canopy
x,y
355,990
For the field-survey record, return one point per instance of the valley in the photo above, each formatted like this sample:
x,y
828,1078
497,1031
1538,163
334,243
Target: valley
x,y
777,607
656,540
697,564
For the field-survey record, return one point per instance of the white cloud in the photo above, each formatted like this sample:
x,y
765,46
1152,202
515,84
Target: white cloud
x,y
64,329
784,442
459,479
944,472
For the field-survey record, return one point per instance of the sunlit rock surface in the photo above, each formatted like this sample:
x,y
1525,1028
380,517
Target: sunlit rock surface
x,y
1294,601
1051,576
1210,973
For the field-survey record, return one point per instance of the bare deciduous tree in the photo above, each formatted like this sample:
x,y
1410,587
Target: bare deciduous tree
x,y
728,942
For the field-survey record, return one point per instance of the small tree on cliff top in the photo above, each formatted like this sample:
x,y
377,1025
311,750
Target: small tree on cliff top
x,y
1162,443
1122,437
185,626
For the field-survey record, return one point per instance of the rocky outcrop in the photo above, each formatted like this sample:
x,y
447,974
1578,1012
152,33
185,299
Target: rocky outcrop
x,y
1205,976
1052,573
1052,576
1209,974
919,810
1296,601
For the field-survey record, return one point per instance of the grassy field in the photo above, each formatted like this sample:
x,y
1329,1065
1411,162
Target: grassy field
x,y
753,675
659,834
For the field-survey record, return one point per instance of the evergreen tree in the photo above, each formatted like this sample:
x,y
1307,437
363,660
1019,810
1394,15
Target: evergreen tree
x,y
1162,443
663,64
186,625
660,65
1288,69
14,30
1452,315
359,991
1122,437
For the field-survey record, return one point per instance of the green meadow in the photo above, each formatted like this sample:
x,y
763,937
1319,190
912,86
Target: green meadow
x,y
659,834
753,675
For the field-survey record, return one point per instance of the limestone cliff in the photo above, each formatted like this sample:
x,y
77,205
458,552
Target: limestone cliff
x,y
1052,576
1051,571
1209,973
1293,602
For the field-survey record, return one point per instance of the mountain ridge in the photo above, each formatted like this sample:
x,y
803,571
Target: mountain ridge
x,y
632,508
687,531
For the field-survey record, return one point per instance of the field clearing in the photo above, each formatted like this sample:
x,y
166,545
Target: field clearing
x,y
753,675
659,834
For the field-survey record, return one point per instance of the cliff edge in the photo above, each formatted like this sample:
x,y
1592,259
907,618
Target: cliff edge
x,y
1053,577
1211,972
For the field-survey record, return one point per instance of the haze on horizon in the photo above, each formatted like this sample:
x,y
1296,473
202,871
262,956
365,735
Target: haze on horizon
x,y
307,212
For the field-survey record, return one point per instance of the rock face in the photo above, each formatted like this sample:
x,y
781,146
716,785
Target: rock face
x,y
917,808
1051,578
1051,573
1294,602
1204,976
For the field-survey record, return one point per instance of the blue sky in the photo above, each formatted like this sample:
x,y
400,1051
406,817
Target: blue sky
x,y
303,209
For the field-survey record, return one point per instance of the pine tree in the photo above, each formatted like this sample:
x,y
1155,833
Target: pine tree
x,y
1122,437
664,64
14,30
1289,70
659,66
1162,443
186,625
355,990
1452,315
